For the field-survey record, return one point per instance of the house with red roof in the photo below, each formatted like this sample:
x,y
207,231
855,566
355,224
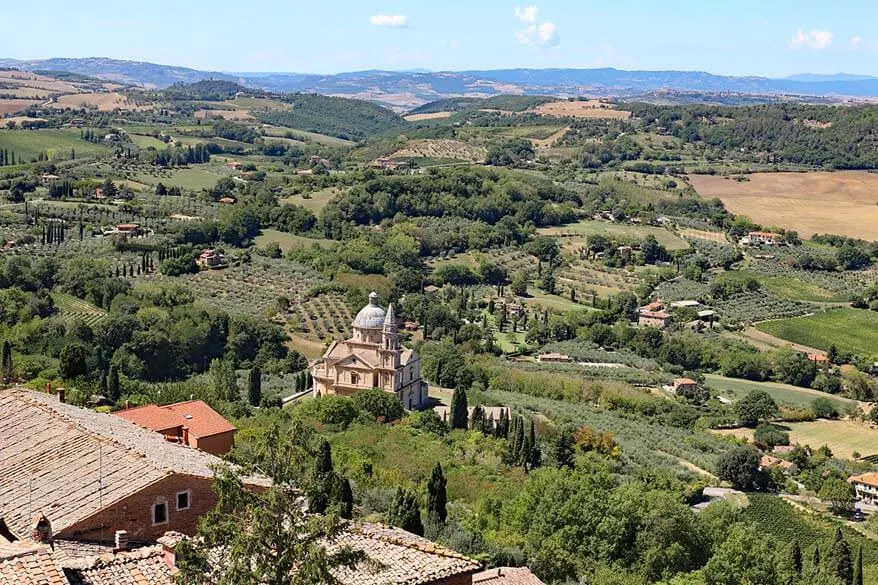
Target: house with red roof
x,y
191,423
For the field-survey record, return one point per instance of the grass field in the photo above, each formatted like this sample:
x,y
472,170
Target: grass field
x,y
581,109
635,232
553,302
53,141
785,286
316,201
105,102
735,389
836,203
147,141
286,241
843,437
194,179
853,330
76,308
313,136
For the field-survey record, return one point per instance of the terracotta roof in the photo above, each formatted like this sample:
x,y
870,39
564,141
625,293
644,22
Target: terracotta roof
x,y
143,566
506,576
870,478
655,314
402,558
29,564
54,456
196,415
684,381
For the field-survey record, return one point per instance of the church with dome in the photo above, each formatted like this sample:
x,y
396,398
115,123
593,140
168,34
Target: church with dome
x,y
372,358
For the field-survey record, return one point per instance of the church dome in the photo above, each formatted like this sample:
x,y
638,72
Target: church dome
x,y
371,316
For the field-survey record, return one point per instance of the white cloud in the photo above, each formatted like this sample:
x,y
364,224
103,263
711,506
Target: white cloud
x,y
527,14
856,41
815,39
542,34
389,20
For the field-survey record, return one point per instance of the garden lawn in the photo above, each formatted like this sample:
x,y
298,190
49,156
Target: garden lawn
x,y
623,230
287,241
851,330
735,389
785,286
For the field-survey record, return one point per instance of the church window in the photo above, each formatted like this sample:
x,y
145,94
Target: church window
x,y
355,378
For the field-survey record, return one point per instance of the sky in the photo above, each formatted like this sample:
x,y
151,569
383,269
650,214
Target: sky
x,y
771,38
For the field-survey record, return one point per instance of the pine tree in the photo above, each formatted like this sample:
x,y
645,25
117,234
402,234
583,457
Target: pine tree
x,y
436,496
7,362
858,567
839,560
796,558
405,512
459,414
254,386
113,384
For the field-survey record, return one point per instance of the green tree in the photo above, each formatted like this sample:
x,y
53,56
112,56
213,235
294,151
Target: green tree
x,y
264,537
756,406
382,406
405,512
254,386
346,500
436,496
113,391
740,466
519,284
224,379
796,559
73,361
562,450
840,495
858,567
839,561
6,364
745,558
459,413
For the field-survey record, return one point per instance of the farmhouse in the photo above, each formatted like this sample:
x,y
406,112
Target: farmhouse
x,y
94,473
132,229
553,357
685,385
372,358
767,462
49,178
191,423
866,487
658,319
212,259
820,359
757,238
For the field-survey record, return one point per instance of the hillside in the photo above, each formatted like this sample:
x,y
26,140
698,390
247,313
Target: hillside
x,y
345,118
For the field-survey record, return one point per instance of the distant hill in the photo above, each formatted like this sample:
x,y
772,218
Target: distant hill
x,y
207,89
507,103
409,89
346,118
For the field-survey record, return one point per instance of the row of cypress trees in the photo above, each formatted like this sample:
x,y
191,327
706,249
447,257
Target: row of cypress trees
x,y
838,563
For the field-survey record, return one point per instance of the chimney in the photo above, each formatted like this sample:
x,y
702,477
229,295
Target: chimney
x,y
121,540
61,394
41,530
169,542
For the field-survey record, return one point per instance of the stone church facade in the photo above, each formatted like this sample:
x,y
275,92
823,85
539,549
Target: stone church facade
x,y
372,358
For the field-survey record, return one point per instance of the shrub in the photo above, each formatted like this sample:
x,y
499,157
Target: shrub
x,y
379,404
824,408
771,436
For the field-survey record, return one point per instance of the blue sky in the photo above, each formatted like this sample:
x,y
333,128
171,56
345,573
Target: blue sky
x,y
745,37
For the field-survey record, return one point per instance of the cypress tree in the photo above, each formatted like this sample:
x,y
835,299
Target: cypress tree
x,y
346,499
839,560
815,559
477,419
796,558
562,454
113,384
7,362
405,512
254,386
436,496
323,465
858,567
459,414
533,454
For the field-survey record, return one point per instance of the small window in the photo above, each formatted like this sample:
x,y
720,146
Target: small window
x,y
160,512
355,378
183,500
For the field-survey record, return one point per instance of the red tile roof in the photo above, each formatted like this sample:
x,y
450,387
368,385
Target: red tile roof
x,y
506,576
195,415
29,564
